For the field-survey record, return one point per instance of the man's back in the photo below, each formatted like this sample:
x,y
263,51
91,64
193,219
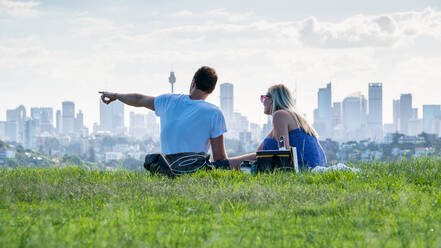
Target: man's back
x,y
187,125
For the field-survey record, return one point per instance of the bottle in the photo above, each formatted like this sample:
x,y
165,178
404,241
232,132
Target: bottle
x,y
245,167
282,144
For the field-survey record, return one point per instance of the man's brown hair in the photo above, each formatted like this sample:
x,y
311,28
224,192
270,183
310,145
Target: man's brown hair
x,y
205,79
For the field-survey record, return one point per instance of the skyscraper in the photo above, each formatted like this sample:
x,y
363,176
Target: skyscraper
x,y
18,115
68,113
430,112
336,114
2,130
375,104
11,131
118,117
375,117
405,112
79,122
58,123
44,117
354,116
105,116
323,121
112,117
152,125
414,113
325,102
137,125
30,137
227,99
396,115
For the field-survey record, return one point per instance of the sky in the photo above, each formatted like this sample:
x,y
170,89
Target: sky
x,y
54,51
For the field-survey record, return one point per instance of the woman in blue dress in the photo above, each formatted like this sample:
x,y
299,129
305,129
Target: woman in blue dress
x,y
293,127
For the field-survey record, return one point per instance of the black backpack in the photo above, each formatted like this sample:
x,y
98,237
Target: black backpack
x,y
177,164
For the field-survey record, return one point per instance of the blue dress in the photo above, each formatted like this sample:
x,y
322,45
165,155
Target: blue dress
x,y
309,151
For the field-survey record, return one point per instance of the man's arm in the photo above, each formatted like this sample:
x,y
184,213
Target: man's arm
x,y
136,100
218,148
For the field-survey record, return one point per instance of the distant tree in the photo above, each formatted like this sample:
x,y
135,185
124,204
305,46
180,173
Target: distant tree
x,y
122,140
20,149
72,159
92,155
3,145
133,164
12,163
396,138
113,163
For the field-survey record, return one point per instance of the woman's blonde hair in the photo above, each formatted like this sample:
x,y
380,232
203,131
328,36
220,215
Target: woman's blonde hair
x,y
282,99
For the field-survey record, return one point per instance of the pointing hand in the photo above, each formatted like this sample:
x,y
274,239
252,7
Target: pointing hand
x,y
108,97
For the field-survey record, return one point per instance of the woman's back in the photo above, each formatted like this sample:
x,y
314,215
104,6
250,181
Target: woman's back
x,y
309,151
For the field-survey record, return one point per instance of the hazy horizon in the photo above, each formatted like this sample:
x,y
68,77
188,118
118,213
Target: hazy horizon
x,y
52,52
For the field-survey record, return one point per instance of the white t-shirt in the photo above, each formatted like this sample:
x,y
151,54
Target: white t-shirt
x,y
187,125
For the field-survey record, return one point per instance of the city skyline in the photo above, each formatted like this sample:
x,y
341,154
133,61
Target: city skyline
x,y
357,117
52,52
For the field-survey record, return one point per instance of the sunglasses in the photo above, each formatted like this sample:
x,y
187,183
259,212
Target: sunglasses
x,y
263,97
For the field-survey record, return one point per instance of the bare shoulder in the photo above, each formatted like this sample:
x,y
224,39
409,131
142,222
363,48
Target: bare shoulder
x,y
285,118
281,115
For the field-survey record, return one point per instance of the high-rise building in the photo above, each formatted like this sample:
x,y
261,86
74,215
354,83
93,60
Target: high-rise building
x,y
414,114
79,123
137,125
405,112
267,127
227,99
354,116
45,119
58,123
105,116
323,117
118,117
375,104
430,112
31,129
375,117
415,127
68,113
396,115
338,131
11,131
112,117
325,102
436,126
256,132
2,130
336,114
18,115
152,125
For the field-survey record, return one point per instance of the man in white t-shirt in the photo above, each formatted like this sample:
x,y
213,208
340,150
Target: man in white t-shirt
x,y
188,122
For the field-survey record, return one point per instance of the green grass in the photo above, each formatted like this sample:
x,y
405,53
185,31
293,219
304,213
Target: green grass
x,y
387,205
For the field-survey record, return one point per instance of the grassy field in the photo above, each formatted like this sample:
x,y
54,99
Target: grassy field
x,y
387,205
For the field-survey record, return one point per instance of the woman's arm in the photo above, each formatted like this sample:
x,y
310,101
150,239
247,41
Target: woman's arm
x,y
236,161
270,135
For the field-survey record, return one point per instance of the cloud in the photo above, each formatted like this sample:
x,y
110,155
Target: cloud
x,y
251,51
182,13
371,31
214,15
244,29
18,8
